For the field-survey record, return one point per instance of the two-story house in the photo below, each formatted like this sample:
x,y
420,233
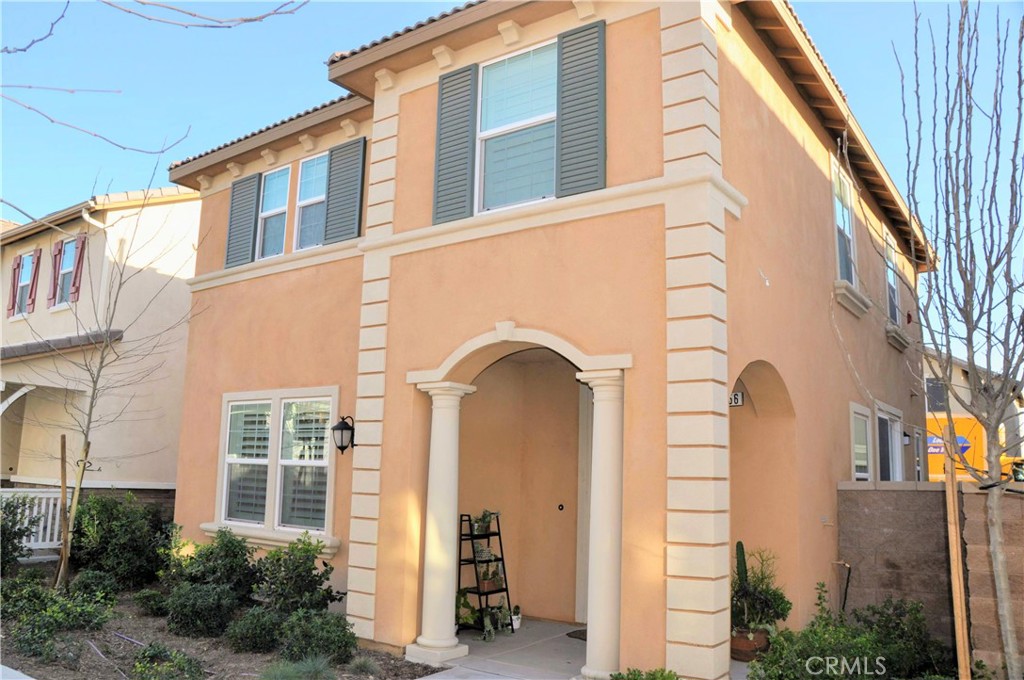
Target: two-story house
x,y
110,270
629,273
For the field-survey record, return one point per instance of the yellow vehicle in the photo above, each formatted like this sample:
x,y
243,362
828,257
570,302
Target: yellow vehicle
x,y
971,438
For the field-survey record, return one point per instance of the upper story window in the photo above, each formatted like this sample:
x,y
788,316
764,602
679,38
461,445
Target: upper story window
x,y
842,194
860,442
518,101
66,271
892,279
312,203
24,283
273,213
935,394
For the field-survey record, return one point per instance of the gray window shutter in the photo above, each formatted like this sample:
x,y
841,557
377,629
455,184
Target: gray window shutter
x,y
456,145
245,200
580,130
345,191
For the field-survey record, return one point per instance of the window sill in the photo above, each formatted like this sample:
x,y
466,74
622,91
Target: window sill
x,y
18,317
852,299
62,307
896,337
270,539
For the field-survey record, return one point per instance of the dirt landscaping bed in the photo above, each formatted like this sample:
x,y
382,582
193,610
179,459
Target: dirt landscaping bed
x,y
80,661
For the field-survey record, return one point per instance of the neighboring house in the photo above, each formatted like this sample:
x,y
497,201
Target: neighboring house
x,y
969,433
57,286
533,254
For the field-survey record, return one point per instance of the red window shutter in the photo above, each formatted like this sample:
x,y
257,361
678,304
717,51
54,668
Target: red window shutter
x,y
76,277
15,271
34,284
58,251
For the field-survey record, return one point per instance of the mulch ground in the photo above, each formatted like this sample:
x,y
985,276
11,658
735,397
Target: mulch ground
x,y
100,654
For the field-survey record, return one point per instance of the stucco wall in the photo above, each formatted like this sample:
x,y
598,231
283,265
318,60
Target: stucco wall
x,y
781,270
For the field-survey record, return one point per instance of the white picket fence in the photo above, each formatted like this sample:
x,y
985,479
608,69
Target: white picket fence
x,y
45,537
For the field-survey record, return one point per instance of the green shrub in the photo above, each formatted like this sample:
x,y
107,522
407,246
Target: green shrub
x,y
893,633
307,632
16,525
637,674
200,609
21,596
309,668
33,632
157,662
364,665
227,560
757,602
255,631
152,602
92,582
120,537
290,579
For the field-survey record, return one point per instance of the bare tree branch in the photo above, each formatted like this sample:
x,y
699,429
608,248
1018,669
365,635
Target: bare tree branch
x,y
202,21
35,41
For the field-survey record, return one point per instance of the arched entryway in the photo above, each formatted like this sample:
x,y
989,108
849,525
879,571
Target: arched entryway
x,y
764,479
447,385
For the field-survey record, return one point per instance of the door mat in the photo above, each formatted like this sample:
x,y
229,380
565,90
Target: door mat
x,y
580,634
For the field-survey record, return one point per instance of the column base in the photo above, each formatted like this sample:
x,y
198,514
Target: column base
x,y
435,656
587,673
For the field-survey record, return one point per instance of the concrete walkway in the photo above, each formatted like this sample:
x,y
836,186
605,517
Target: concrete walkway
x,y
11,674
539,650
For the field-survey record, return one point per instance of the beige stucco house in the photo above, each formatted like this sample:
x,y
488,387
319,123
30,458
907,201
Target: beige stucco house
x,y
60,283
629,273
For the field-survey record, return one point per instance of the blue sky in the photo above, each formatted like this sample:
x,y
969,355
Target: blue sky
x,y
219,84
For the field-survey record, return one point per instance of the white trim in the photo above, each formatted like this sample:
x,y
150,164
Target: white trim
x,y
57,302
514,218
263,215
839,174
300,204
18,285
863,411
267,538
23,390
585,446
506,331
896,448
276,398
98,483
891,272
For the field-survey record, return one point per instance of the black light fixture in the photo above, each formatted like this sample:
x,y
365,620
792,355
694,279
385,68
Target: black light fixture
x,y
344,433
906,439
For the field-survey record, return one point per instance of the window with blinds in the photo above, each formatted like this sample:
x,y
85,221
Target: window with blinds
x,y
247,454
303,463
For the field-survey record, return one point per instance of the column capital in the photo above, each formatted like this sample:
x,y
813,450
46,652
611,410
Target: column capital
x,y
446,389
604,378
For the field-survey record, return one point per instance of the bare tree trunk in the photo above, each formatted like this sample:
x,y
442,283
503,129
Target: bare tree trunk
x,y
69,526
1000,574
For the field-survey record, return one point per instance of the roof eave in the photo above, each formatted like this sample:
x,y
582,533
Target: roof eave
x,y
48,222
187,174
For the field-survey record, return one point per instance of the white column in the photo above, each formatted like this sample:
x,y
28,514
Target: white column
x,y
438,642
604,582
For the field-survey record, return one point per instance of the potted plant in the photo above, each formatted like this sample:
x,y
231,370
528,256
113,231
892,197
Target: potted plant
x,y
517,617
482,550
481,524
757,604
490,579
494,619
465,613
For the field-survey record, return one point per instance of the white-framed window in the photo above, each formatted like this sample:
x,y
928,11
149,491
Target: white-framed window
x,y
846,249
312,202
273,213
890,444
920,455
892,279
66,273
24,283
860,442
516,138
276,470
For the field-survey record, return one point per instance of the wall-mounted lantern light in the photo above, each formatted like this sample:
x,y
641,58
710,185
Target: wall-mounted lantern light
x,y
344,433
906,439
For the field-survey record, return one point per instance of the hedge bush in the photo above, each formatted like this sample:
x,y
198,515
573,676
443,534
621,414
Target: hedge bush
x,y
122,537
21,596
152,602
290,579
33,632
92,582
15,526
311,633
157,662
256,631
200,609
227,560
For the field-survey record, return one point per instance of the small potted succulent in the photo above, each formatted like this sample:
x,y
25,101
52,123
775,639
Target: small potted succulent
x,y
490,579
517,617
481,524
757,604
